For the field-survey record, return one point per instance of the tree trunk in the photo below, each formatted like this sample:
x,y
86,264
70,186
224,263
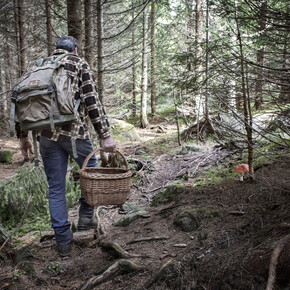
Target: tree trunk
x,y
199,36
206,61
74,20
19,15
100,49
190,29
246,102
153,83
199,99
49,5
259,81
260,57
284,95
134,113
7,69
89,27
2,100
144,84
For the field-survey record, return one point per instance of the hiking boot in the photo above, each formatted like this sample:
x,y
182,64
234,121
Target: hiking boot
x,y
64,250
87,223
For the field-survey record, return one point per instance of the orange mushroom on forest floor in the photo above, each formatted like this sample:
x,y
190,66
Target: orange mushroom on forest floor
x,y
242,169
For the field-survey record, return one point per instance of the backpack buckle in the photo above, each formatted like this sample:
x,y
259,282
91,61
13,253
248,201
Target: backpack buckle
x,y
50,88
14,96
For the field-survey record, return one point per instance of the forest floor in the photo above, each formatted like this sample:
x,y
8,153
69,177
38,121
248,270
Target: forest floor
x,y
239,226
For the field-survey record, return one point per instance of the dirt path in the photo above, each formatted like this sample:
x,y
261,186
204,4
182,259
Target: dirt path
x,y
239,225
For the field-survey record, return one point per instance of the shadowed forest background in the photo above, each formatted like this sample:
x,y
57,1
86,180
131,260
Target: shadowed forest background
x,y
192,88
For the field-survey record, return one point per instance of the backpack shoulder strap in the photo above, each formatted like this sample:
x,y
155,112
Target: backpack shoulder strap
x,y
12,113
41,61
60,57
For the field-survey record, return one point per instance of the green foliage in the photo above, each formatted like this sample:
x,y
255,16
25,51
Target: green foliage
x,y
26,195
134,120
169,194
28,187
55,269
214,176
169,110
166,143
6,156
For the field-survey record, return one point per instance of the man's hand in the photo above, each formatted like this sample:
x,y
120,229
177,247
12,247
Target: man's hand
x,y
108,145
26,149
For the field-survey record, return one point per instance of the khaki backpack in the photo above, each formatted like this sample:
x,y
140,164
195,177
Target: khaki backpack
x,y
43,98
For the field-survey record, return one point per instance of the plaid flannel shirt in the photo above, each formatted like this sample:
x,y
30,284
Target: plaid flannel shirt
x,y
83,87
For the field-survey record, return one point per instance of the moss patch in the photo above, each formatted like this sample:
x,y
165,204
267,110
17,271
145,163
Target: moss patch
x,y
169,194
6,156
123,131
190,219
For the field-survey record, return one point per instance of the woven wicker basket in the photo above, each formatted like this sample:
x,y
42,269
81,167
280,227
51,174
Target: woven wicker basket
x,y
105,186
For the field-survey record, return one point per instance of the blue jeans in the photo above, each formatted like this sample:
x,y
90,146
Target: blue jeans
x,y
55,159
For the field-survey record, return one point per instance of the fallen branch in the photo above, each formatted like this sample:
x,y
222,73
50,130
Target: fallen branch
x,y
181,173
148,239
145,165
152,190
119,266
236,212
274,262
117,250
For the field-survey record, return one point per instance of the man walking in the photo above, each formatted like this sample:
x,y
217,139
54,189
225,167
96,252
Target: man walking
x,y
56,147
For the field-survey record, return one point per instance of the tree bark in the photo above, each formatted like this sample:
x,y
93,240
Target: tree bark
x,y
134,111
49,5
206,61
190,32
7,69
74,20
100,31
246,102
260,58
89,27
2,107
153,82
144,84
284,94
19,15
199,99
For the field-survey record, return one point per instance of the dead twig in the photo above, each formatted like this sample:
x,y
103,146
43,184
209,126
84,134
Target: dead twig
x,y
236,212
152,190
148,239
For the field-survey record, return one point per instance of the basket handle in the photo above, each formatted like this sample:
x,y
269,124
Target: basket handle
x,y
95,151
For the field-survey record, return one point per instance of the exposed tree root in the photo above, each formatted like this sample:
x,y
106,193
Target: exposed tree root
x,y
202,129
119,266
116,250
274,262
